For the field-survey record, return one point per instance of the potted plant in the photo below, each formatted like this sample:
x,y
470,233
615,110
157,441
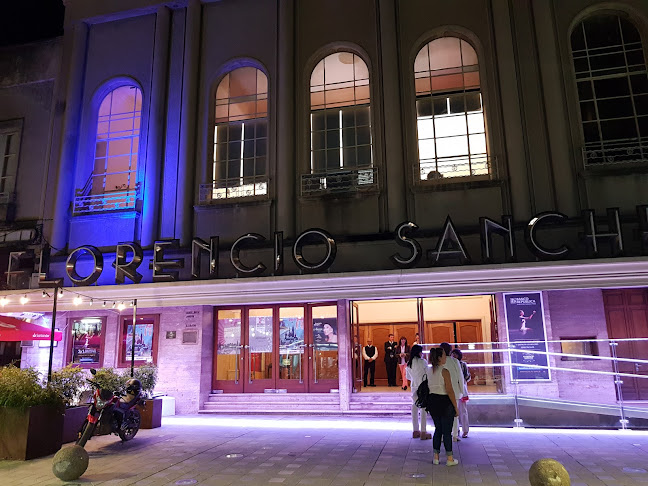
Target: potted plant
x,y
151,412
110,379
69,383
31,415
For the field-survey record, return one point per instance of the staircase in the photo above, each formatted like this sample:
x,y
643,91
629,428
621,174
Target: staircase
x,y
273,403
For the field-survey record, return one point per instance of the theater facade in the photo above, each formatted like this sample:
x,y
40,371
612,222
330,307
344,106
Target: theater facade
x,y
262,187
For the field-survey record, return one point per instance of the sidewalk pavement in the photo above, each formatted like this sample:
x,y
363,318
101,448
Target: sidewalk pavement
x,y
222,450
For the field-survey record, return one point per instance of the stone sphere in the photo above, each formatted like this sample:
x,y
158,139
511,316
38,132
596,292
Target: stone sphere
x,y
548,472
70,463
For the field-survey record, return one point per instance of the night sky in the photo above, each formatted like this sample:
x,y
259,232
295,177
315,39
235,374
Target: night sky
x,y
24,21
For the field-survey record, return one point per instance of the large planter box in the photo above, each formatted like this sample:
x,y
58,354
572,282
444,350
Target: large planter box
x,y
35,432
151,413
74,418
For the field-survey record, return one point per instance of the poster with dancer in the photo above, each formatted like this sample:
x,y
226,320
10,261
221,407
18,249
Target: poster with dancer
x,y
527,336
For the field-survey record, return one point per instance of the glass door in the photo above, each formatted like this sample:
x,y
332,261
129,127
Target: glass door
x,y
292,349
324,344
259,350
228,364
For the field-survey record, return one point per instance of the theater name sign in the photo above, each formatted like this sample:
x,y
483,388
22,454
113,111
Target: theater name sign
x,y
129,255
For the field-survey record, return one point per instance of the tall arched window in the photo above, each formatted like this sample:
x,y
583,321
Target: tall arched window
x,y
449,111
240,135
117,142
340,122
612,83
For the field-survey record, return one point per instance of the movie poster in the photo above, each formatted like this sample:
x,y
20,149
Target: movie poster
x,y
260,334
526,331
325,331
229,336
291,335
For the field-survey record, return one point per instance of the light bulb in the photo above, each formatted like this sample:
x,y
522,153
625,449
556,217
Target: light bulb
x,y
45,294
24,299
121,306
4,301
104,304
77,300
91,302
60,294
114,305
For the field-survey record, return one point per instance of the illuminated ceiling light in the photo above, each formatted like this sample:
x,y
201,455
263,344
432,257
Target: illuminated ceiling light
x,y
91,302
24,299
114,305
121,306
60,294
104,304
45,294
77,300
4,301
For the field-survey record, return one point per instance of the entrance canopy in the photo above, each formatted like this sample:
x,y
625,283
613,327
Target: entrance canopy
x,y
12,329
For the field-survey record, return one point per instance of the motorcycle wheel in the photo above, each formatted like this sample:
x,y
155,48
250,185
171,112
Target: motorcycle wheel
x,y
130,426
88,430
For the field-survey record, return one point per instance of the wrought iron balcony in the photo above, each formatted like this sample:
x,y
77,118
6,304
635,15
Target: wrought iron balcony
x,y
339,181
613,153
458,168
120,198
232,189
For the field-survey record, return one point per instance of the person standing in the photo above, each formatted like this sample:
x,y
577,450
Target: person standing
x,y
391,360
457,379
442,405
463,402
403,359
370,355
417,369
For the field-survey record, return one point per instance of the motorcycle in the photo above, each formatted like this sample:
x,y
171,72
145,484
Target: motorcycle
x,y
112,413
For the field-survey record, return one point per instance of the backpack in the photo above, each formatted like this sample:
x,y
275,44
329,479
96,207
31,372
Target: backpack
x,y
423,396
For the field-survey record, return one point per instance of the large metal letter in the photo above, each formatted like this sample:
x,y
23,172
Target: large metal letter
x,y
124,269
642,215
235,257
278,253
451,240
326,262
544,253
613,236
165,270
411,243
70,265
197,247
487,227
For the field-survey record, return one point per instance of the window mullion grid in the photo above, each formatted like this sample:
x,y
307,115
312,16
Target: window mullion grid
x,y
627,76
589,67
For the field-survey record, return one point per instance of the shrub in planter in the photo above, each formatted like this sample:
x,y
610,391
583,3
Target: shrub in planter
x,y
70,383
110,379
31,415
151,412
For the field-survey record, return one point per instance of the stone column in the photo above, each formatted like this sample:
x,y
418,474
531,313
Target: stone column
x,y
285,175
187,148
345,362
155,133
71,130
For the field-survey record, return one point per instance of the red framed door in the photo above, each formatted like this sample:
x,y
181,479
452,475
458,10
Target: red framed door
x,y
260,349
293,351
229,364
322,333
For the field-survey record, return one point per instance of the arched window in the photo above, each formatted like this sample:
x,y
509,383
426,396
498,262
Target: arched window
x,y
241,135
612,83
449,111
117,142
341,121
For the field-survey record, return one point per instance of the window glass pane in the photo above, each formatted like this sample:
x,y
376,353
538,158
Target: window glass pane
x,y
476,123
450,125
445,52
477,143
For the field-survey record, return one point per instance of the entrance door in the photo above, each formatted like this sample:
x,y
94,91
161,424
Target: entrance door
x,y
379,335
626,312
271,347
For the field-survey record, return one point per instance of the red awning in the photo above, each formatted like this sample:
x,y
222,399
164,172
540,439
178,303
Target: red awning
x,y
12,329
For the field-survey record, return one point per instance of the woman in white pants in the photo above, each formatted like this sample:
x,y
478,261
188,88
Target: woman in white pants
x,y
463,402
417,369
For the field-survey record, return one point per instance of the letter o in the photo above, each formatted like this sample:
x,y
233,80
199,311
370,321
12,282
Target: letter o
x,y
331,251
70,265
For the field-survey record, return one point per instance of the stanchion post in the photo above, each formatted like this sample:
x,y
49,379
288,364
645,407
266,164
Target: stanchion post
x,y
133,339
618,382
52,330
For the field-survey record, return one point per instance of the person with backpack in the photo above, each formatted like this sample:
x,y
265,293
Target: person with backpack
x,y
417,369
463,402
442,405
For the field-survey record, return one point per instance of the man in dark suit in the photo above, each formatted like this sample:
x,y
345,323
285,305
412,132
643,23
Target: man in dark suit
x,y
391,360
370,354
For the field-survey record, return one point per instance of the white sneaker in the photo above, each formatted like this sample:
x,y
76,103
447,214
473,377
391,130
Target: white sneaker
x,y
454,462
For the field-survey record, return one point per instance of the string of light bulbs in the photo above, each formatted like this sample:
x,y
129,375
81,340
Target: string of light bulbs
x,y
77,300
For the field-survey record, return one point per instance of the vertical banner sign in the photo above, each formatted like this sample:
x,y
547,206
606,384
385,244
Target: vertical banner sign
x,y
526,332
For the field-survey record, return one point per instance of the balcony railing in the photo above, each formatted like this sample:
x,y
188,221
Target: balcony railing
x,y
458,168
113,192
612,153
339,181
234,188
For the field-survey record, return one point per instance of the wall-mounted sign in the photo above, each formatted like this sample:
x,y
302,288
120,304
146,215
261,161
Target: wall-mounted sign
x,y
170,334
449,247
527,336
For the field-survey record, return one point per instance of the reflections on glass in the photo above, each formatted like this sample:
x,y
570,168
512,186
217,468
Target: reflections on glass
x,y
229,345
260,342
291,343
325,347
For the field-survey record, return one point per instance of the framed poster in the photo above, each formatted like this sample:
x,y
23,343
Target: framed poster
x,y
526,331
